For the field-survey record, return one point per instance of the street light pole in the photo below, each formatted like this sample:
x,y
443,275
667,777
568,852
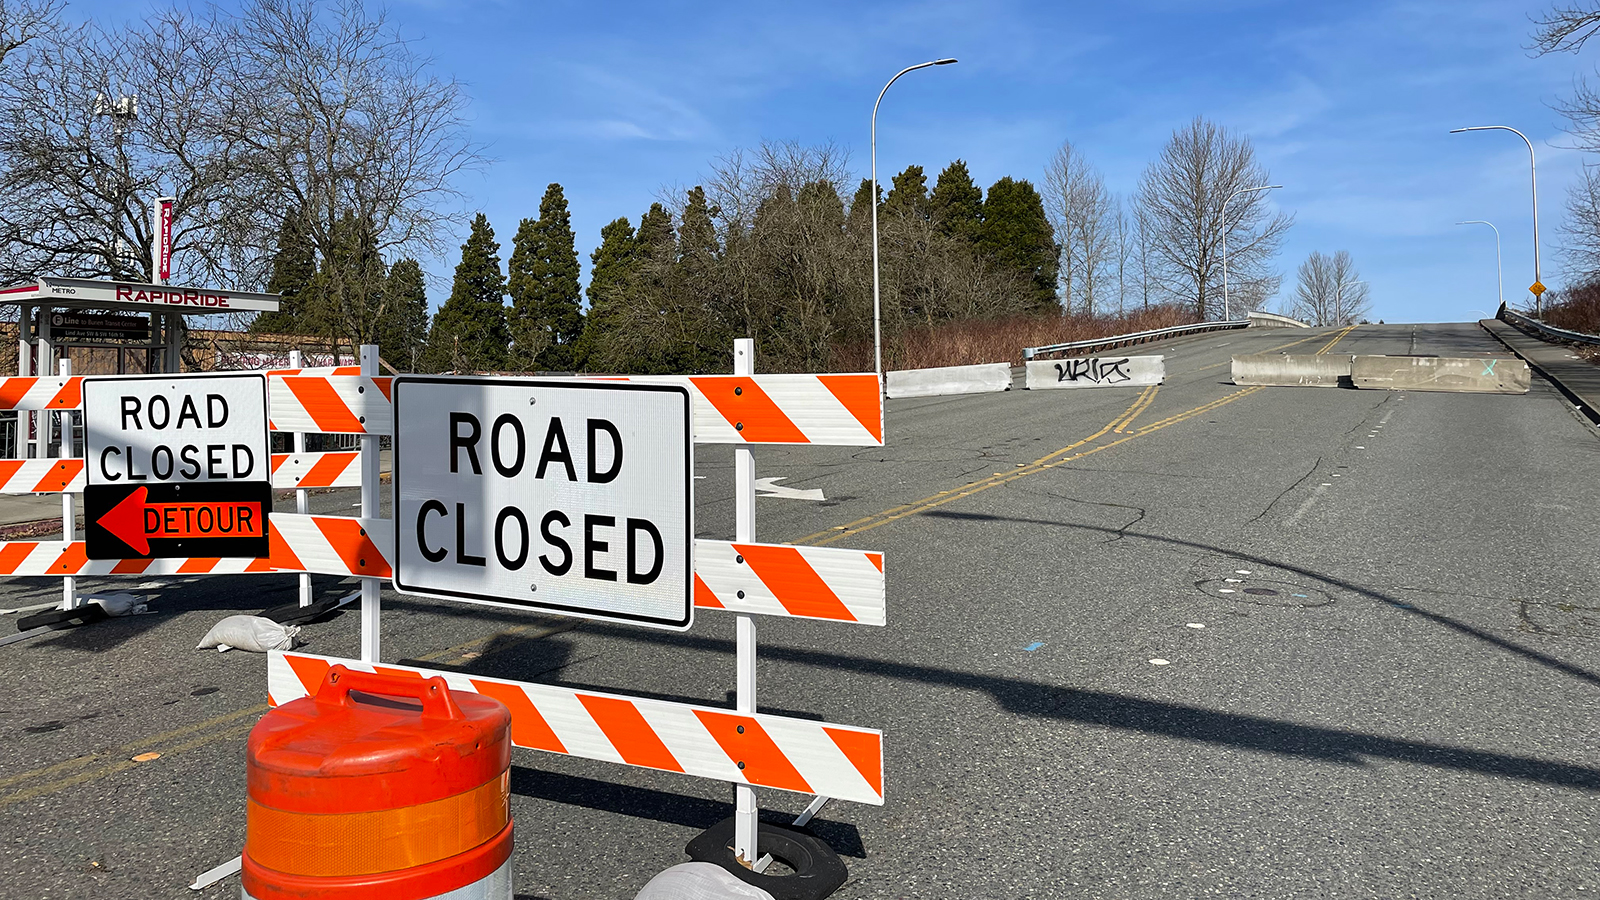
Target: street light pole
x,y
1500,275
877,314
1265,187
1533,181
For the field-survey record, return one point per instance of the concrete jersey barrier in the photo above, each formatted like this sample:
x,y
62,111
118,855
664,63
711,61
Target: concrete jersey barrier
x,y
979,379
1283,370
1096,371
1433,373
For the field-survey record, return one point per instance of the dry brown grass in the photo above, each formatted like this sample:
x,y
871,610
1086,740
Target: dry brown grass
x,y
1002,340
1576,309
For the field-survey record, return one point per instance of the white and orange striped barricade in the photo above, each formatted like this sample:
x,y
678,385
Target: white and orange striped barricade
x,y
797,755
839,410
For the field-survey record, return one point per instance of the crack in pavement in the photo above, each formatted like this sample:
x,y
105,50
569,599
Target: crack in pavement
x,y
1301,480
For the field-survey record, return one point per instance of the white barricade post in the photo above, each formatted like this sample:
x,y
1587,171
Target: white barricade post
x,y
744,532
302,497
69,517
369,511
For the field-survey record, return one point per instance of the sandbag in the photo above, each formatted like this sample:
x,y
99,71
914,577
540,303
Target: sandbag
x,y
699,881
252,633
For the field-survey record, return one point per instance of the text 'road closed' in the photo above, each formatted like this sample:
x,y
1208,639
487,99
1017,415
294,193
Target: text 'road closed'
x,y
569,497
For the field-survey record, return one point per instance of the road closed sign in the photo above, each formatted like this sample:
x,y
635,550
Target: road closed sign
x,y
176,466
568,497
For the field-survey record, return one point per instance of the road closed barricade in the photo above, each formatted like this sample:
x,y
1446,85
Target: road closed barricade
x,y
562,496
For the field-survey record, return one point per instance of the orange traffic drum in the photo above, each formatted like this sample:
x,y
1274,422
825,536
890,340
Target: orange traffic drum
x,y
380,786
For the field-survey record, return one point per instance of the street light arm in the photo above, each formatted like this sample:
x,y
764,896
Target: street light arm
x,y
1533,181
1499,269
877,314
924,65
1224,214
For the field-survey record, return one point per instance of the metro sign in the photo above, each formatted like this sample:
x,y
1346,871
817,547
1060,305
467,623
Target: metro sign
x,y
122,294
565,497
176,466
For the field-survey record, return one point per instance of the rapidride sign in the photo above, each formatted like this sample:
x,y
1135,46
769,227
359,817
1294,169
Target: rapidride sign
x,y
565,496
176,467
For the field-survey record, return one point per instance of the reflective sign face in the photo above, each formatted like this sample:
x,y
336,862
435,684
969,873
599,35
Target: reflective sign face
x,y
567,497
176,466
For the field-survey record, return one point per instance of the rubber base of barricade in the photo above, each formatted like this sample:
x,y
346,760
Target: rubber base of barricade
x,y
57,619
482,873
818,870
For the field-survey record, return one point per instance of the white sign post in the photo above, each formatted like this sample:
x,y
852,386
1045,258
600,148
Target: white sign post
x,y
566,497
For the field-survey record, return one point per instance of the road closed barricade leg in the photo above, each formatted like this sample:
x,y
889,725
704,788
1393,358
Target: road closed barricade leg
x,y
380,786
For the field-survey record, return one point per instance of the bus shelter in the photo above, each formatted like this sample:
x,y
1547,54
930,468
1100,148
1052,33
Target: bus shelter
x,y
142,324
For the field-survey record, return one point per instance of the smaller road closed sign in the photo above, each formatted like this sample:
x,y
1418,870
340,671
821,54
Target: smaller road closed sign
x,y
567,497
176,466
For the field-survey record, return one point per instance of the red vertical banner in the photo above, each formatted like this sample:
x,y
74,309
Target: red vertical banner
x,y
164,241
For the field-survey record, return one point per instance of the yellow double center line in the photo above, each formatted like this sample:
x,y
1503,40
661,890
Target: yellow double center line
x,y
94,766
1122,424
1336,339
1058,458
1141,404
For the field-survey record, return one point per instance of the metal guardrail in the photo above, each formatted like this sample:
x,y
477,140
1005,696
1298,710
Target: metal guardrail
x,y
1137,337
1542,331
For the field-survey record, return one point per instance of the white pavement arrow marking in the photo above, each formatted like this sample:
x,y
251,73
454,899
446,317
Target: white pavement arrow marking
x,y
768,487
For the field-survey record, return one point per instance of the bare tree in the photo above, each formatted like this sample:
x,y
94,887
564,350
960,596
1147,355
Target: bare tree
x,y
741,180
1327,293
1182,195
1142,255
1565,29
80,167
1581,231
1122,246
1064,179
285,107
343,117
22,21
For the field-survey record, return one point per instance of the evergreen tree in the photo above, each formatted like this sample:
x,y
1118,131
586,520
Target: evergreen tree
x,y
612,265
697,236
546,319
345,301
404,329
294,264
957,203
908,196
470,332
656,235
860,220
1016,234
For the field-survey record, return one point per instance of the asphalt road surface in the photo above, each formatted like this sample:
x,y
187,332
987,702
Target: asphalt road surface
x,y
1194,641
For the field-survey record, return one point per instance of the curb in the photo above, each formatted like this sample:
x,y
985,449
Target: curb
x,y
1583,404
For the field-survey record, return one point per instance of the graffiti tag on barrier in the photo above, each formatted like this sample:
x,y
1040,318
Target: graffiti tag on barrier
x,y
1099,371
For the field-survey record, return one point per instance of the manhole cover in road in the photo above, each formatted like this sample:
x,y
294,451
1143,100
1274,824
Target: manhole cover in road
x,y
1262,592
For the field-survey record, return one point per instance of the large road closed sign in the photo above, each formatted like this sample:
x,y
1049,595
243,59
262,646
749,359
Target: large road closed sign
x,y
177,466
568,497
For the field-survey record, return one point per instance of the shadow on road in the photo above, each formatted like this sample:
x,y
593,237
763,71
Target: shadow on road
x,y
663,806
1396,603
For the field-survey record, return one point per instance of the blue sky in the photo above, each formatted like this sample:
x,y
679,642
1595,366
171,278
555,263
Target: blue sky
x,y
1348,104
